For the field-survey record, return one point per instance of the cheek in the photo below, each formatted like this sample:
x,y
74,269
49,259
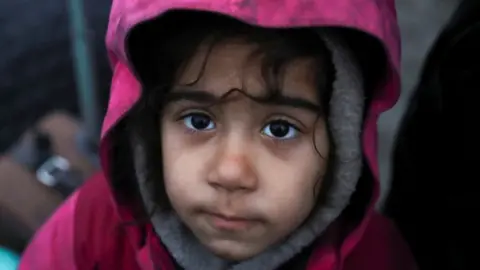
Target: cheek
x,y
180,167
292,187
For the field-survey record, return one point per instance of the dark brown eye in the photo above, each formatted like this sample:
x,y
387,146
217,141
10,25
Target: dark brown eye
x,y
198,121
280,129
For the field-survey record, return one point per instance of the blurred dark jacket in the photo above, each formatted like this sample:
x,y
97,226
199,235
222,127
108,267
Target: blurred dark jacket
x,y
435,198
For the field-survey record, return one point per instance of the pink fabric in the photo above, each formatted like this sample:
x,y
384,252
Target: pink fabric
x,y
50,247
381,248
374,244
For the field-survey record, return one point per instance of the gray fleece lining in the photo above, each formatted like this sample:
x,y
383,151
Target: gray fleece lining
x,y
346,112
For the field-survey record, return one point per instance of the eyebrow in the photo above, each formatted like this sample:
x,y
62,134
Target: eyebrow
x,y
200,96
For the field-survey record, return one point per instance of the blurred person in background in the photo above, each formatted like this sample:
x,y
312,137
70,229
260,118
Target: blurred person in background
x,y
37,68
40,116
239,135
435,197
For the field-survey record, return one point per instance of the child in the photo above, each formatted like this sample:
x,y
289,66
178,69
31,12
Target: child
x,y
234,140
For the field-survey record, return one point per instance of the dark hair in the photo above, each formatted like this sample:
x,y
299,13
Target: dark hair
x,y
159,52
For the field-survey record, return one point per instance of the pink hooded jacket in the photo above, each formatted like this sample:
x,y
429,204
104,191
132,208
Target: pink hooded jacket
x,y
88,231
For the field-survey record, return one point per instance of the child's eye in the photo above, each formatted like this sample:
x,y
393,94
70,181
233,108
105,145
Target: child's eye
x,y
280,129
198,121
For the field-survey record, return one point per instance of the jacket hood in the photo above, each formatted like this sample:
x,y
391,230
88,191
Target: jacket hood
x,y
374,21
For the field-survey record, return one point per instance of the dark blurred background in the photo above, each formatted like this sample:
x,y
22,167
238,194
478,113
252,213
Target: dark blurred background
x,y
420,23
36,68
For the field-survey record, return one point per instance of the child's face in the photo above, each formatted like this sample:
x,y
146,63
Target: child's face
x,y
242,175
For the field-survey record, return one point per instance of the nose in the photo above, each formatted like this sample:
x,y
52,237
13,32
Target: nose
x,y
233,170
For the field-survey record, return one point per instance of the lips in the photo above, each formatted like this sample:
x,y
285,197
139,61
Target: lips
x,y
230,222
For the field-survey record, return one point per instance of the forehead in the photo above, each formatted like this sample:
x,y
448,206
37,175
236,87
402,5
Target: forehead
x,y
234,64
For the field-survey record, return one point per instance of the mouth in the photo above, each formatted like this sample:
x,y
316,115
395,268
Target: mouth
x,y
225,222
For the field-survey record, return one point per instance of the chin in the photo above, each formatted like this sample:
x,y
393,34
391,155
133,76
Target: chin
x,y
232,251
232,255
